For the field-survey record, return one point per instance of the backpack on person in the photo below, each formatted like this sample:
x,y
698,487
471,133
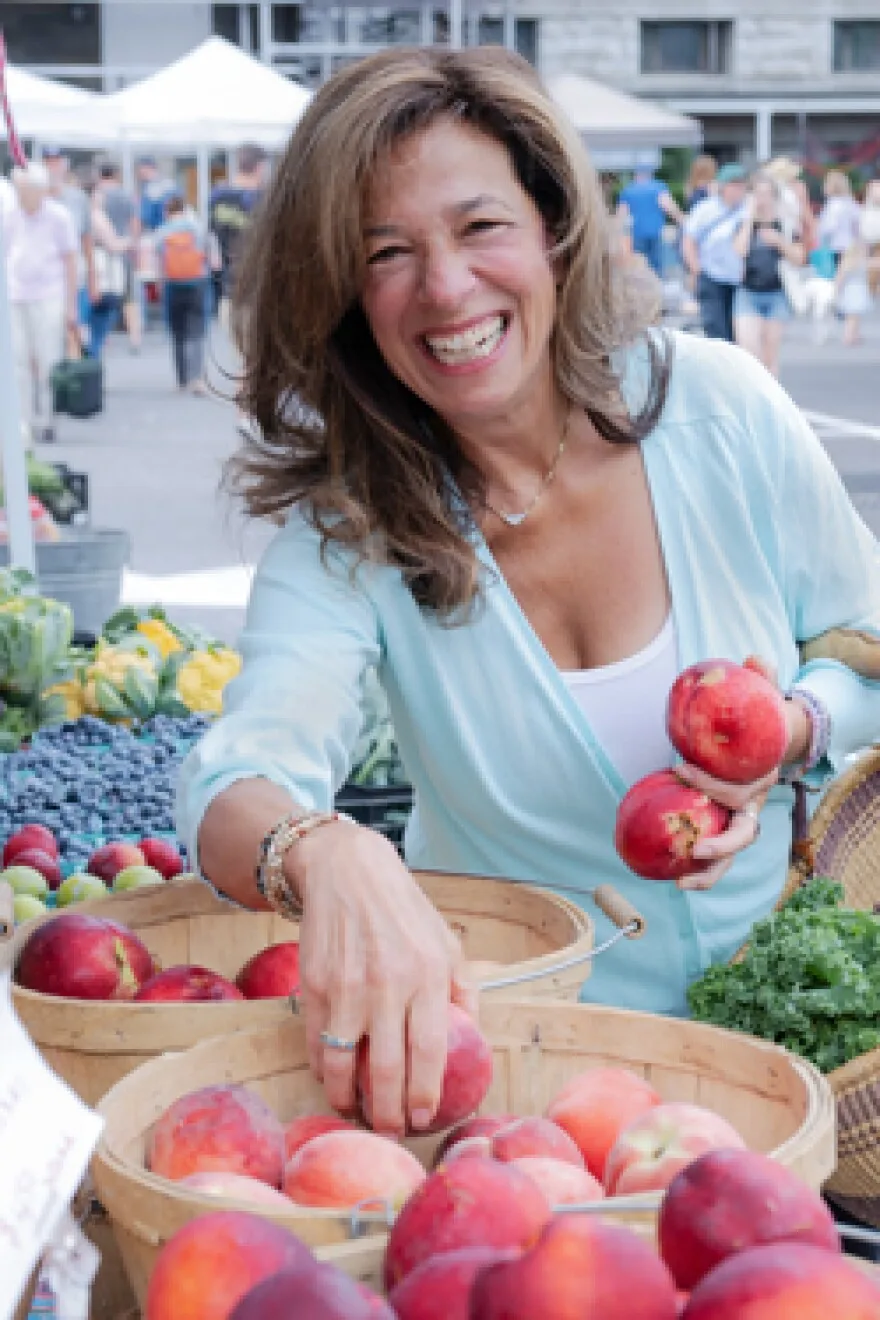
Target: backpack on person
x,y
183,257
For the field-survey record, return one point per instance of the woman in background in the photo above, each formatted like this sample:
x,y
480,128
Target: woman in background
x,y
183,264
764,240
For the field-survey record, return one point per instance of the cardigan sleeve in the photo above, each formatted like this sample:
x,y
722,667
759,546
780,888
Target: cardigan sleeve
x,y
294,712
831,571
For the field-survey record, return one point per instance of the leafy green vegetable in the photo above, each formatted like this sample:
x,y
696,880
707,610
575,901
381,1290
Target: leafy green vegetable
x,y
810,980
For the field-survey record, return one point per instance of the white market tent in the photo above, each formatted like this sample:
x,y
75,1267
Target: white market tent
x,y
40,107
620,130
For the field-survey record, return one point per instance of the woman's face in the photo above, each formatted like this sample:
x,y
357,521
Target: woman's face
x,y
765,196
459,290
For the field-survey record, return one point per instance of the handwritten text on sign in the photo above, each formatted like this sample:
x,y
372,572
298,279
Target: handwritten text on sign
x,y
47,1136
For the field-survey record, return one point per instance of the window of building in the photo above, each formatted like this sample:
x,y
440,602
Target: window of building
x,y
857,46
239,24
52,34
687,46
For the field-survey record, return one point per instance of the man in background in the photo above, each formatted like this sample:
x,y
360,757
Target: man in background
x,y
120,208
64,188
709,251
649,205
230,210
153,191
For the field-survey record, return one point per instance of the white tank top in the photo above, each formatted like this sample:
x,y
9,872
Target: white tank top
x,y
625,704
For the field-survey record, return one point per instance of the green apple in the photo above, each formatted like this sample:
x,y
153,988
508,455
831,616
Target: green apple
x,y
135,877
25,880
80,886
26,906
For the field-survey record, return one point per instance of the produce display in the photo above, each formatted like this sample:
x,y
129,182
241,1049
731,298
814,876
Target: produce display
x,y
809,980
478,1238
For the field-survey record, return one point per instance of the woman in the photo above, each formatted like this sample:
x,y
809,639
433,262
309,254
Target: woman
x,y
183,264
527,512
764,240
838,225
110,274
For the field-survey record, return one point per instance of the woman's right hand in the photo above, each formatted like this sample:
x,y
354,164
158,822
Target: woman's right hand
x,y
377,960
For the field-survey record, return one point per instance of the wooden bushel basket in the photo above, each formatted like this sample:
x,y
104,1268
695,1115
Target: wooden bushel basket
x,y
507,930
780,1105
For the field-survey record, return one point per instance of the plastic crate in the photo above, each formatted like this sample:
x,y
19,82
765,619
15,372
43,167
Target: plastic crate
x,y
385,810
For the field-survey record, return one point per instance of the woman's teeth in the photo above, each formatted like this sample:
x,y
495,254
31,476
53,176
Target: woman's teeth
x,y
478,341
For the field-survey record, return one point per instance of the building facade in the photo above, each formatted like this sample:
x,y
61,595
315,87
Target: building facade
x,y
762,76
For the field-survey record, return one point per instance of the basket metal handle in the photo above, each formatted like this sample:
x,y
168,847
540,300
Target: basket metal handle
x,y
630,923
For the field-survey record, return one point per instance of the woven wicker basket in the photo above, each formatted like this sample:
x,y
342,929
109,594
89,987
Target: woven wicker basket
x,y
844,845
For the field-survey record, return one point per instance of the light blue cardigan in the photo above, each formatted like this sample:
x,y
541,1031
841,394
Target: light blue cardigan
x,y
763,549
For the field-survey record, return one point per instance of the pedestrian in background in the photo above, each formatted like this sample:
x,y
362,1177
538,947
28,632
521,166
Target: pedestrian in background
x,y
764,240
41,264
181,246
709,251
66,189
649,205
838,226
700,181
230,211
869,229
112,261
121,210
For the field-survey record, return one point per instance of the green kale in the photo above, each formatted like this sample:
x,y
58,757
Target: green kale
x,y
809,980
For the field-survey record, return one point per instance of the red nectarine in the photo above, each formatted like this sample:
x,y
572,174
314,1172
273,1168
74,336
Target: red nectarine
x,y
785,1281
651,1150
594,1108
342,1169
659,821
218,1128
727,719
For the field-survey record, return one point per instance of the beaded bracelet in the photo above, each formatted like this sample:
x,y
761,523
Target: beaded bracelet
x,y
820,727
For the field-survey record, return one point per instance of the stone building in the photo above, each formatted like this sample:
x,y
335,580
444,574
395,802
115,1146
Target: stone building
x,y
763,76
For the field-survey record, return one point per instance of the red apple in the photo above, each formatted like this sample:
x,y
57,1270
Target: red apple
x,y
471,1203
535,1136
440,1288
82,957
658,822
482,1125
162,856
596,1105
652,1150
217,1129
727,719
785,1281
210,1263
187,985
308,1126
107,861
29,836
318,1293
466,1080
345,1169
728,1200
43,862
579,1267
272,973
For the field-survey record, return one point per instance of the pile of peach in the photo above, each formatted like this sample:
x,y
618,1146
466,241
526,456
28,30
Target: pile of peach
x,y
487,1235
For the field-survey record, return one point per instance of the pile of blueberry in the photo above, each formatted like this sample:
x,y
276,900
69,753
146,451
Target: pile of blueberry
x,y
87,779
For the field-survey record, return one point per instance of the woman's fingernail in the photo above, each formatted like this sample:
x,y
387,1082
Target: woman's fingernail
x,y
420,1118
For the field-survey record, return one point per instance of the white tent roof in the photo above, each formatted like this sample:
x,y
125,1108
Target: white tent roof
x,y
40,107
217,95
606,118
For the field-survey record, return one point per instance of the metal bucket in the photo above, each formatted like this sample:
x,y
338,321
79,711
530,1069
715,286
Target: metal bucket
x,y
84,570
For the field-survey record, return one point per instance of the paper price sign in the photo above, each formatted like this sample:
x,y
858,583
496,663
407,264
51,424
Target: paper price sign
x,y
47,1136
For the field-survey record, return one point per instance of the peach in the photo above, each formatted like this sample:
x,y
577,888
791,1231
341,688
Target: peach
x,y
187,984
659,821
320,1293
481,1147
578,1267
343,1169
107,861
562,1183
272,973
466,1080
210,1263
595,1106
471,1203
218,1128
535,1136
728,1200
440,1288
482,1125
308,1126
236,1187
654,1148
728,719
785,1281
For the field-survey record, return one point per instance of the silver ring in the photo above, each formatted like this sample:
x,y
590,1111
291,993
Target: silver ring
x,y
338,1042
753,811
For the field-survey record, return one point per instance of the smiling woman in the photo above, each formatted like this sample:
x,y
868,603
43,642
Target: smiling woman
x,y
526,509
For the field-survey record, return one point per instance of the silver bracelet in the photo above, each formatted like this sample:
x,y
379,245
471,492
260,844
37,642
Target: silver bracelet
x,y
820,730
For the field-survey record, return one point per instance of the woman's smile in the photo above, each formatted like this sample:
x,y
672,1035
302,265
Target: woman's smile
x,y
472,347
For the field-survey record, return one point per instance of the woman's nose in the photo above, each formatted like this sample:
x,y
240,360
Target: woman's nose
x,y
447,277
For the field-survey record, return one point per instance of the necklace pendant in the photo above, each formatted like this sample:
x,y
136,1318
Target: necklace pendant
x,y
514,519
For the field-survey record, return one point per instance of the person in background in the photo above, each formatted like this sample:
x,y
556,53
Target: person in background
x,y
838,226
111,262
869,230
764,240
65,188
121,210
153,191
41,266
700,180
230,210
649,204
181,247
709,253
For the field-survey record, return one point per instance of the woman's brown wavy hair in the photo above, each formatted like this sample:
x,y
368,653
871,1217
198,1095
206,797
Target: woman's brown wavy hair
x,y
369,460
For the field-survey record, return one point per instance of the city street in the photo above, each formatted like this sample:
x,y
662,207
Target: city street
x,y
155,460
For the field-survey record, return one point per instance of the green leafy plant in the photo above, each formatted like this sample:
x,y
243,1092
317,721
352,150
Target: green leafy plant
x,y
809,980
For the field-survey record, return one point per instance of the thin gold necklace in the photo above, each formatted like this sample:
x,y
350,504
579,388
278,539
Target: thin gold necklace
x,y
517,519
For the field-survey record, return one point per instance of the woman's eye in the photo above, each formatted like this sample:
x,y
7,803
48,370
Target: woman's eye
x,y
384,254
482,226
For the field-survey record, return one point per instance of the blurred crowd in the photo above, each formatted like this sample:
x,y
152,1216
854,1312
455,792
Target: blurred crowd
x,y
755,250
85,256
